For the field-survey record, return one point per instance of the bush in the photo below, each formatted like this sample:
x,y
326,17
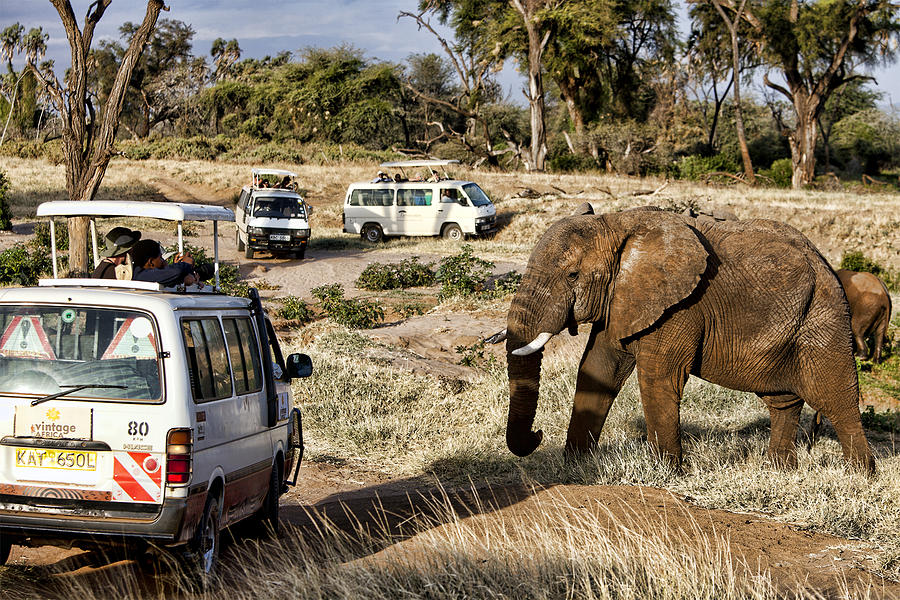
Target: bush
x,y
696,166
41,238
407,273
568,162
19,267
508,283
5,212
780,172
857,261
462,274
295,309
349,312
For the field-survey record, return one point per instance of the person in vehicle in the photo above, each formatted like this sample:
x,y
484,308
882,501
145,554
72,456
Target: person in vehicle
x,y
149,265
382,177
119,241
448,195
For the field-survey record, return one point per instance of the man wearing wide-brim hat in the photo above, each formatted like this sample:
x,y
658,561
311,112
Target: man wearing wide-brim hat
x,y
119,240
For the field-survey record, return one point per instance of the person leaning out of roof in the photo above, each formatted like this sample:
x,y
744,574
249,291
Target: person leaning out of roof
x,y
119,240
382,177
149,265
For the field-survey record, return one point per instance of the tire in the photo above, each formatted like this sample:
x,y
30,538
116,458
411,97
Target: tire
x,y
203,549
267,515
248,252
300,254
373,233
240,244
5,547
453,233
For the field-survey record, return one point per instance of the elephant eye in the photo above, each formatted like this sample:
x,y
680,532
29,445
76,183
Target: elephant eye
x,y
573,276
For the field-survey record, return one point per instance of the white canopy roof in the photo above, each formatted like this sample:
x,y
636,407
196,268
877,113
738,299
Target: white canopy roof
x,y
402,164
279,172
167,211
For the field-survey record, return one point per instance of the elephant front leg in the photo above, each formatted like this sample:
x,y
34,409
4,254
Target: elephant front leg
x,y
601,374
784,411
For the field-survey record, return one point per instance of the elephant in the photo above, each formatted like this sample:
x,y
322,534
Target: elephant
x,y
749,305
870,310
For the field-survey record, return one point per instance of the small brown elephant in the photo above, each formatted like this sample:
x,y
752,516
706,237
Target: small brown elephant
x,y
870,311
749,305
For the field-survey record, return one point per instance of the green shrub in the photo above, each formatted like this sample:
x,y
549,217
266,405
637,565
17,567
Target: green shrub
x,y
410,309
857,261
508,283
5,212
566,161
407,273
295,309
20,267
473,356
349,312
41,237
696,166
462,274
780,172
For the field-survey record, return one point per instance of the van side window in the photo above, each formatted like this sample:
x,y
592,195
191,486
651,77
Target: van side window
x,y
244,352
242,203
207,360
414,197
372,197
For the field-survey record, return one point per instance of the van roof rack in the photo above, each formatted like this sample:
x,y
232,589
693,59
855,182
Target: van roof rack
x,y
429,163
165,211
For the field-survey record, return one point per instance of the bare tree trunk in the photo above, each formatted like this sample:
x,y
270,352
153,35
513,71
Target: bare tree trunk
x,y
802,141
736,69
88,138
536,45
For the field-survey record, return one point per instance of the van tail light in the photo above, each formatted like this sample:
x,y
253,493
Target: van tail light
x,y
178,456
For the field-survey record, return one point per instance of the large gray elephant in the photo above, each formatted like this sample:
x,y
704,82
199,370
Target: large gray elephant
x,y
749,305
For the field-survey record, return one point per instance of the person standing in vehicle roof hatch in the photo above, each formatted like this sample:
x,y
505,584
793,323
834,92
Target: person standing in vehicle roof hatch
x,y
149,265
119,241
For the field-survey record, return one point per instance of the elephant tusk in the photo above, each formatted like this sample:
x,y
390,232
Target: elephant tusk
x,y
496,338
535,345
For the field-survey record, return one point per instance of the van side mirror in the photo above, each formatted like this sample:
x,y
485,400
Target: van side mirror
x,y
299,365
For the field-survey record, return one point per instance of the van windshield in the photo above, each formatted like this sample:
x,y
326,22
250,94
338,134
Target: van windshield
x,y
49,349
476,195
279,207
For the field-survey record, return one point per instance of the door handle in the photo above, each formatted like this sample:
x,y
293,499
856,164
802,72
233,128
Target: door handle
x,y
401,211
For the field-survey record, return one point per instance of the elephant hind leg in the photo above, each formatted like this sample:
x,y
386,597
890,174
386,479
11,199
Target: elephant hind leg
x,y
879,334
842,409
784,411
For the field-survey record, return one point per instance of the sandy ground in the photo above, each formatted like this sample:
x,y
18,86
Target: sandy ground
x,y
426,344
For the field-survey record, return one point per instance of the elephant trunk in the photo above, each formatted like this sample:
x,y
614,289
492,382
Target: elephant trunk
x,y
524,385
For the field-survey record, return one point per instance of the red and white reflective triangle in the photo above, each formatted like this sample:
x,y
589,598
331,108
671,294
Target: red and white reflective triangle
x,y
137,477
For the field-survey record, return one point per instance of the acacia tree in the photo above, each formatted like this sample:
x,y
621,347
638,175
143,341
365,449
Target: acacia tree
x,y
815,45
87,136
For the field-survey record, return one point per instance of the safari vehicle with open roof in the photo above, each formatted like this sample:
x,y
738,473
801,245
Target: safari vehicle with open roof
x,y
271,216
133,413
424,203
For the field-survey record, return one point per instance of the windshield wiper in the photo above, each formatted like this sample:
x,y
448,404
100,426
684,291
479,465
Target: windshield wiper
x,y
76,388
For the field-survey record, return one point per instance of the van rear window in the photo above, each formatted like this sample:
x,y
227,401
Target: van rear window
x,y
372,197
48,349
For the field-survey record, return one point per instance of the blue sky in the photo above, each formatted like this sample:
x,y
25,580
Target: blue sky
x,y
269,26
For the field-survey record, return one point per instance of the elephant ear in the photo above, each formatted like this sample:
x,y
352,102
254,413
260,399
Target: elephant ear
x,y
661,262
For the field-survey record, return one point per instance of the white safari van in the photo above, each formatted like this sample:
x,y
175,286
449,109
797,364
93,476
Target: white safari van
x,y
130,413
428,204
271,216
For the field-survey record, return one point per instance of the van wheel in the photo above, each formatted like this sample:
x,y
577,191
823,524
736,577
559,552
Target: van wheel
x,y
300,254
267,515
373,233
248,252
237,240
453,233
5,547
203,549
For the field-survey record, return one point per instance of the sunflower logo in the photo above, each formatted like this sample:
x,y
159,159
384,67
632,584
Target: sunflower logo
x,y
53,414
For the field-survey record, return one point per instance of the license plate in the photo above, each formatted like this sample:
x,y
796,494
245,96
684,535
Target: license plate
x,y
280,237
49,458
